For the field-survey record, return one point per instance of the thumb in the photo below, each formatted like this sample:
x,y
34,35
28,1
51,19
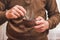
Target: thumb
x,y
39,18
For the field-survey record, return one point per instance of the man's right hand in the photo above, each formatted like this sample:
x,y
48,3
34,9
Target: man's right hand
x,y
15,12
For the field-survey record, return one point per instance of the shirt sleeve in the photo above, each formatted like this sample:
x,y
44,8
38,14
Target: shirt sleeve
x,y
2,12
53,13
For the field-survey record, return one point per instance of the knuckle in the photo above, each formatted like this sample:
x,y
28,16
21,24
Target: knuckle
x,y
16,5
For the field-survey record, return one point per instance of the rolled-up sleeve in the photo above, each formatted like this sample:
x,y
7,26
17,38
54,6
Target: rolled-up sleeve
x,y
2,12
53,13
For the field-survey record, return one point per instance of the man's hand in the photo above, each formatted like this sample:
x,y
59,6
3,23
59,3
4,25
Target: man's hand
x,y
15,12
42,25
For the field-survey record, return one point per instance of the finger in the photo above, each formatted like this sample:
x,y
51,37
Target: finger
x,y
13,15
16,13
19,11
39,26
21,8
39,22
40,29
39,18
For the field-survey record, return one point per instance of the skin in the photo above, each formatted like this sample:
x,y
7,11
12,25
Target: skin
x,y
18,11
15,12
42,25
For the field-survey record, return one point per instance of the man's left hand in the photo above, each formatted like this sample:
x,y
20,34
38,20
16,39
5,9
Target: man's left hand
x,y
42,25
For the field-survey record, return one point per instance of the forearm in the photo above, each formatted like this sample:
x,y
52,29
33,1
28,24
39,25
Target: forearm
x,y
2,17
53,13
3,7
54,20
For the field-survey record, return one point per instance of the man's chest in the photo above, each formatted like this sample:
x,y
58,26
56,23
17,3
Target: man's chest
x,y
27,2
19,2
